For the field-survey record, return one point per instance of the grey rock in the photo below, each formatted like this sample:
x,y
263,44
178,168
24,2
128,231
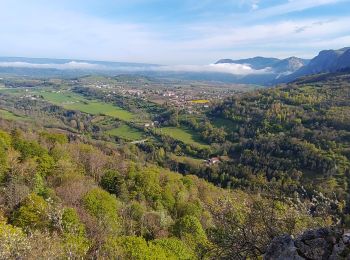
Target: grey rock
x,y
325,243
338,249
346,237
282,248
327,61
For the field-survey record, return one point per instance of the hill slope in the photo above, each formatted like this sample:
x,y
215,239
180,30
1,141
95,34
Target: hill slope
x,y
62,198
277,67
290,136
326,61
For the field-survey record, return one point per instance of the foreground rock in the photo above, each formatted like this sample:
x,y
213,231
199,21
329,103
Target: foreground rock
x,y
313,244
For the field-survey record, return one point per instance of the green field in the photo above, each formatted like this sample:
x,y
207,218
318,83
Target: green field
x,y
186,159
12,91
10,116
184,135
126,132
60,98
95,108
74,101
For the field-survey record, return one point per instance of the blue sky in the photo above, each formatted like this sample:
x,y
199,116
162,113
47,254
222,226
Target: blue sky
x,y
174,32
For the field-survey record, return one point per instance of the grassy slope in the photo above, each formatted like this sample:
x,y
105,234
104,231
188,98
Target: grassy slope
x,y
126,132
10,116
73,101
184,135
77,102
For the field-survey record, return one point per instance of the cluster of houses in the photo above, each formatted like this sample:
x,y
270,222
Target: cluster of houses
x,y
177,96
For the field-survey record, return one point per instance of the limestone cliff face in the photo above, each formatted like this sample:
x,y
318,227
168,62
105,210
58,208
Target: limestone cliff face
x,y
313,244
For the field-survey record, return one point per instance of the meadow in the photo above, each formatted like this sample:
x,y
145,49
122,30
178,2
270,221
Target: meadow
x,y
184,135
187,160
126,132
10,116
73,101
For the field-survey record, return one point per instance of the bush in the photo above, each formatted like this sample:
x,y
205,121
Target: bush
x,y
28,148
135,248
75,242
174,248
113,182
14,243
189,225
32,214
5,144
190,230
104,207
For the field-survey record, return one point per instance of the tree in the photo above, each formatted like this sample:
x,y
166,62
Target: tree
x,y
28,149
54,138
5,144
75,241
190,230
242,234
130,247
104,207
14,243
175,248
45,164
113,182
32,214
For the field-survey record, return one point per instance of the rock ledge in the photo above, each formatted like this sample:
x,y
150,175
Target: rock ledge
x,y
324,243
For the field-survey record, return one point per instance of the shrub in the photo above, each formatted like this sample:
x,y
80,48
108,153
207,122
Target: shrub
x,y
104,207
174,248
32,214
135,248
14,243
75,242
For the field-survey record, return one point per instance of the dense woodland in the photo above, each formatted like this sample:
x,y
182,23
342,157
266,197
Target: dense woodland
x,y
287,138
68,192
63,198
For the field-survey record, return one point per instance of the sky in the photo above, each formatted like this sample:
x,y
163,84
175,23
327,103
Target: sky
x,y
172,32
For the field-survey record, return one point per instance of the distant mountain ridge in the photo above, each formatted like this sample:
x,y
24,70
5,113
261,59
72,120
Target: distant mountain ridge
x,y
256,63
287,70
279,67
326,61
257,70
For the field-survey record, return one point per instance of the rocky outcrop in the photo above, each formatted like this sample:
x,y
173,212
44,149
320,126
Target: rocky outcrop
x,y
313,244
327,61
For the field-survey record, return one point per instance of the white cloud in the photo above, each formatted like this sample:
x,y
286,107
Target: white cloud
x,y
235,69
65,66
290,7
270,37
255,4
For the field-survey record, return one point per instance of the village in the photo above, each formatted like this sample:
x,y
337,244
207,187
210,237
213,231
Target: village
x,y
191,97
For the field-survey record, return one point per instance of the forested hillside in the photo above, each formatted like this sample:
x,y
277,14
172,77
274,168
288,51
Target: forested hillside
x,y
278,164
292,138
64,198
